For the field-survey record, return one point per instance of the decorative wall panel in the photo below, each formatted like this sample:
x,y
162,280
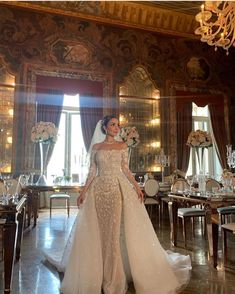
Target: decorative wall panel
x,y
59,43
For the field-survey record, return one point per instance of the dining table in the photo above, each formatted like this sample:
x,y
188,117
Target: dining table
x,y
11,225
33,196
210,202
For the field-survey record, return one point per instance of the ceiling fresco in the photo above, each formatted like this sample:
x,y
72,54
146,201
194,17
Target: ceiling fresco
x,y
175,18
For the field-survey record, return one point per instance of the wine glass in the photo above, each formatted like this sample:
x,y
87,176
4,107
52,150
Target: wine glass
x,y
23,180
8,184
140,179
190,180
31,178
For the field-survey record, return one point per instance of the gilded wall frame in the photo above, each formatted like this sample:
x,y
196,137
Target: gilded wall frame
x,y
26,102
174,86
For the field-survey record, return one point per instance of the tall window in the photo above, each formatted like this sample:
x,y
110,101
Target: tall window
x,y
68,158
201,121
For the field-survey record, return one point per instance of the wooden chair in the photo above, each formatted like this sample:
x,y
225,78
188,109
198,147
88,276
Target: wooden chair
x,y
151,189
60,196
14,186
164,189
224,212
179,185
211,183
188,213
226,228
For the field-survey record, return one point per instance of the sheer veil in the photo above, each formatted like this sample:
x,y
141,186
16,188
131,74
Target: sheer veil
x,y
98,136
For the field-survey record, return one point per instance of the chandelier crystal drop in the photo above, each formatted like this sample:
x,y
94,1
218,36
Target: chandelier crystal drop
x,y
217,24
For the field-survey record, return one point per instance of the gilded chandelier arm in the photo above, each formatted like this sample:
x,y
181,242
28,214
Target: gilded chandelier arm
x,y
217,20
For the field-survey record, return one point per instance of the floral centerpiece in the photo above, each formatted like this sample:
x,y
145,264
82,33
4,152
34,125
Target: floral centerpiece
x,y
199,138
44,132
130,136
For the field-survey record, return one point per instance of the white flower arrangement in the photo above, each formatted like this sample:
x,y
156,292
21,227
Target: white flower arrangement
x,y
130,136
44,132
199,138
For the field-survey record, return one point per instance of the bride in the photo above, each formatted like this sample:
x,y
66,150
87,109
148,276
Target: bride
x,y
112,241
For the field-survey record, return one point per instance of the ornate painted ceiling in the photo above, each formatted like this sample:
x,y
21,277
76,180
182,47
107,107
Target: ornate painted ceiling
x,y
175,18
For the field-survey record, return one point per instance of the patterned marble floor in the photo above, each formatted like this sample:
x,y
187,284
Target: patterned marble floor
x,y
32,275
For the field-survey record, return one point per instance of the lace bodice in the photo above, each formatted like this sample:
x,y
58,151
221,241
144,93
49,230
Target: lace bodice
x,y
109,163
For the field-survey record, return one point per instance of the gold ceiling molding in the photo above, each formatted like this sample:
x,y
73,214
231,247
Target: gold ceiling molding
x,y
122,13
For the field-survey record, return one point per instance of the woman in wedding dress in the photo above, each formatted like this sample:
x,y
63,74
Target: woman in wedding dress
x,y
113,241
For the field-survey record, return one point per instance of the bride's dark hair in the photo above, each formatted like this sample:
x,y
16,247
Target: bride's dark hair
x,y
105,122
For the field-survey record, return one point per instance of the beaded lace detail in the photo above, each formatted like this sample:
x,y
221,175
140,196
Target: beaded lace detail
x,y
108,203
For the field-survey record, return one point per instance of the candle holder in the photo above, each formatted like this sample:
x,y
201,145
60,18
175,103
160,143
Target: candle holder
x,y
230,156
163,160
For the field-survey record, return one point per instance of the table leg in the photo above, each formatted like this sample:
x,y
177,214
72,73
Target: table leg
x,y
20,219
173,209
215,233
9,241
29,207
212,234
35,200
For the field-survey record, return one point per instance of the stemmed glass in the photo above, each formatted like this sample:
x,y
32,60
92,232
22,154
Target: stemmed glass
x,y
8,184
140,180
190,180
31,177
23,180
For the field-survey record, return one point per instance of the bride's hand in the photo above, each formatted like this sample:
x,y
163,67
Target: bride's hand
x,y
140,194
80,200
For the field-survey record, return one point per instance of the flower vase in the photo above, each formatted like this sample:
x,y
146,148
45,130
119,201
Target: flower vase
x,y
44,148
200,158
201,175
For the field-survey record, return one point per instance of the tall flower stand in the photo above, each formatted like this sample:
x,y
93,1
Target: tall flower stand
x,y
201,175
44,149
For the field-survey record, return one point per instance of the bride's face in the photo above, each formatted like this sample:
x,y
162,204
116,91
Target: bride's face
x,y
113,127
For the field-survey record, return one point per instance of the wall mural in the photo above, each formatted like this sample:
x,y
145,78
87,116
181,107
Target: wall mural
x,y
70,52
70,44
57,40
198,69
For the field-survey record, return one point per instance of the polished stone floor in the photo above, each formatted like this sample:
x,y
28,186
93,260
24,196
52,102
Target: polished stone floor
x,y
33,275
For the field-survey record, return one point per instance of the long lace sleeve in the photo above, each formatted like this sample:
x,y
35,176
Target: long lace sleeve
x,y
92,171
126,171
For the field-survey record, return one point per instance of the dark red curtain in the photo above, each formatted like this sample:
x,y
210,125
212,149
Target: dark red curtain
x,y
184,127
219,131
49,108
70,86
91,111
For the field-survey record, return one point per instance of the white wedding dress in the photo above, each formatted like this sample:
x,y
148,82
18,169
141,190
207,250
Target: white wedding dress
x,y
113,241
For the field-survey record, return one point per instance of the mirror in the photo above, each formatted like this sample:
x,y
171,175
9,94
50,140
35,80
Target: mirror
x,y
139,106
7,89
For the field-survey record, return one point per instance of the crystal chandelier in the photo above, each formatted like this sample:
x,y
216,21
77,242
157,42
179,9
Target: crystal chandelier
x,y
217,22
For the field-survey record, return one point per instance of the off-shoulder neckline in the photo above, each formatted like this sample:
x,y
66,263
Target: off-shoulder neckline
x,y
96,150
